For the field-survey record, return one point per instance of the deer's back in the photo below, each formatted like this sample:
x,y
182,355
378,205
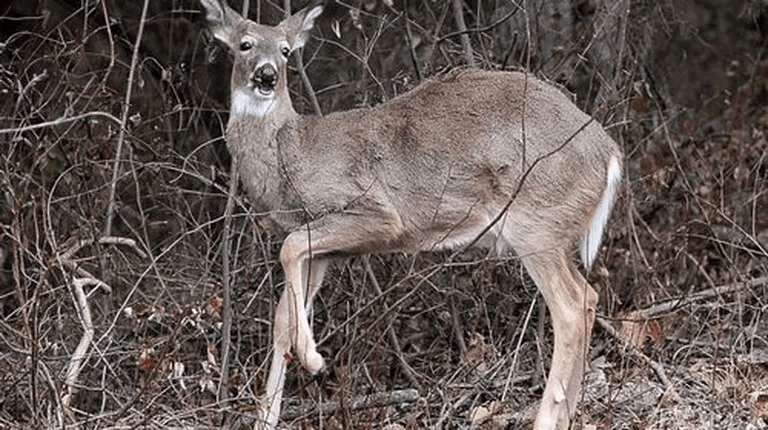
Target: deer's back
x,y
453,144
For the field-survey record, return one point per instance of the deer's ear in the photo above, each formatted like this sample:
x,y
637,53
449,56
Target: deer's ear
x,y
296,27
221,20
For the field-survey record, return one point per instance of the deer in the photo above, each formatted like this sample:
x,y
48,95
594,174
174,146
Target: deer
x,y
499,160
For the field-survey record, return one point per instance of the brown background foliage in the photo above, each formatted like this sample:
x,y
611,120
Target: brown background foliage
x,y
680,84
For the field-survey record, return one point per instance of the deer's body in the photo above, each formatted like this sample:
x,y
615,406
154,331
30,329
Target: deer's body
x,y
412,159
496,159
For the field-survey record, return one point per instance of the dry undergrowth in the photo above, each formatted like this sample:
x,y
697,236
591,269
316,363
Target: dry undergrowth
x,y
125,329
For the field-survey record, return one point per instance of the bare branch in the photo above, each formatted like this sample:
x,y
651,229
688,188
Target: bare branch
x,y
123,122
458,15
59,121
375,400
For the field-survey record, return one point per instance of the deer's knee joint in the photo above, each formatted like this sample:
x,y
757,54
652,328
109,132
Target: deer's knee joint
x,y
292,248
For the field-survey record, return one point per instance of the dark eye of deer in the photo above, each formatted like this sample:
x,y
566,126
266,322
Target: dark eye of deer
x,y
285,51
244,46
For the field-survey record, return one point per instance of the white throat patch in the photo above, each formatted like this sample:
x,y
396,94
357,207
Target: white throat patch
x,y
246,103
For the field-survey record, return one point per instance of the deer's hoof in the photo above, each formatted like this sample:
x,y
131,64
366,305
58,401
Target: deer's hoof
x,y
314,362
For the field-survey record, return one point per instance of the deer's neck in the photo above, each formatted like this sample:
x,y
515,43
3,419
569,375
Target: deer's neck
x,y
247,134
258,146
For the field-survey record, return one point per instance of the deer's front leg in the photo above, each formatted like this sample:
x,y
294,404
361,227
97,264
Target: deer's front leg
x,y
285,332
302,277
304,257
304,260
280,356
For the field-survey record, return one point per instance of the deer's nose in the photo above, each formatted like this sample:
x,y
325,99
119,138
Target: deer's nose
x,y
265,77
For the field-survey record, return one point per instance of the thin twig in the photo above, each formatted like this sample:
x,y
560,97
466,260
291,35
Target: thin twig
x,y
123,122
226,312
458,15
302,71
411,47
458,331
482,29
307,83
226,307
36,79
59,121
518,348
77,284
108,26
104,240
407,369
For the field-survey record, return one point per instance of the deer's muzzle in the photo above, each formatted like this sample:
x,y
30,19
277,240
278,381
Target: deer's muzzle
x,y
265,77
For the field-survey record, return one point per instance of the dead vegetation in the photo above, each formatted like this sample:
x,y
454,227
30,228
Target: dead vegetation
x,y
118,324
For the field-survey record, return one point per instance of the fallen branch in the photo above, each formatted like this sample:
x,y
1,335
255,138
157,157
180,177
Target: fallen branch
x,y
376,400
104,240
65,258
642,316
668,306
81,352
80,280
629,346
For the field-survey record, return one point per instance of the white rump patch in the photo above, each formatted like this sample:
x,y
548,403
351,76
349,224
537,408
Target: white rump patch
x,y
590,244
245,102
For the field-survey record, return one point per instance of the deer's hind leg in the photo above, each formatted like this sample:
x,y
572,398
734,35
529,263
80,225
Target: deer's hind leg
x,y
571,302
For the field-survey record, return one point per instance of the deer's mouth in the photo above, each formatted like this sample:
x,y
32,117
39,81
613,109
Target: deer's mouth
x,y
264,79
264,88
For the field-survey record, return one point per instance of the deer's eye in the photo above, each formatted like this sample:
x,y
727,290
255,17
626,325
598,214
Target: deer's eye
x,y
244,46
285,51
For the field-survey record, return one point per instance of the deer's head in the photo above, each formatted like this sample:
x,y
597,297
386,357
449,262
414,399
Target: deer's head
x,y
260,55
